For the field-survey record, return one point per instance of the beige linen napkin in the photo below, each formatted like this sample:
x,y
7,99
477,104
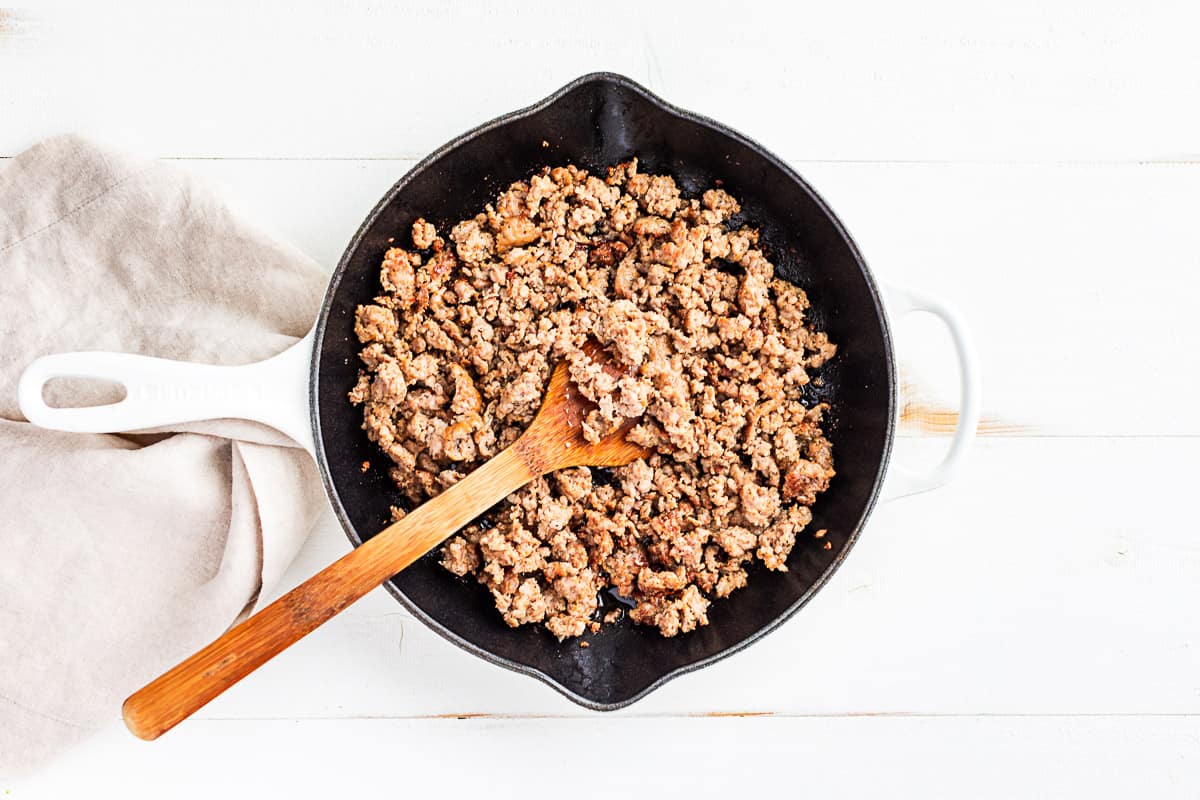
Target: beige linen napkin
x,y
120,555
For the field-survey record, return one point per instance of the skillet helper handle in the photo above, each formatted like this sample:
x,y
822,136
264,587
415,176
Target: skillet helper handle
x,y
186,688
160,392
901,481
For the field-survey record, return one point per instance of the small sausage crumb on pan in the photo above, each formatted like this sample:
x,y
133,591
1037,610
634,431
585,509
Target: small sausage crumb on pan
x,y
366,465
584,644
460,342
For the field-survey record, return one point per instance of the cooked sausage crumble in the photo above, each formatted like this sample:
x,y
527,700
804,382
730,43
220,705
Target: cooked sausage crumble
x,y
459,346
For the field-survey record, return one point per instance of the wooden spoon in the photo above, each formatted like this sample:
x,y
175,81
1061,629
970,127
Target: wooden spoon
x,y
552,441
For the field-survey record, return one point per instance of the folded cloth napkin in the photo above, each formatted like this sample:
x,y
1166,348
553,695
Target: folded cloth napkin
x,y
120,555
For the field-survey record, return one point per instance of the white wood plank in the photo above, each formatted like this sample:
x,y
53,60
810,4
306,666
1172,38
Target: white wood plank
x,y
1025,80
1076,279
1053,579
815,757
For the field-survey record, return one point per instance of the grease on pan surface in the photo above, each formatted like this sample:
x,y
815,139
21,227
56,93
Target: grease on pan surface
x,y
460,343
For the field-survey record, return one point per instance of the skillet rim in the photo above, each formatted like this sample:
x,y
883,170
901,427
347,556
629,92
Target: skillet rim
x,y
355,242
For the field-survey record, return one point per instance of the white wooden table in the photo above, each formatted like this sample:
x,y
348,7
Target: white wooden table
x,y
1031,630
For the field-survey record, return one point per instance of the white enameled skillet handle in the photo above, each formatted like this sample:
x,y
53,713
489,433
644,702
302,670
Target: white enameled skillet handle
x,y
901,481
161,392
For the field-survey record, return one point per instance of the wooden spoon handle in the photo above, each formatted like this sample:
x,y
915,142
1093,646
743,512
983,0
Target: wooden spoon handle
x,y
189,686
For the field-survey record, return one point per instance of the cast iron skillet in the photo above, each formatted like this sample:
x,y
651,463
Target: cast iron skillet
x,y
593,122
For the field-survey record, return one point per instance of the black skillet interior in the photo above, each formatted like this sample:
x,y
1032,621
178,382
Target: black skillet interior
x,y
594,122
